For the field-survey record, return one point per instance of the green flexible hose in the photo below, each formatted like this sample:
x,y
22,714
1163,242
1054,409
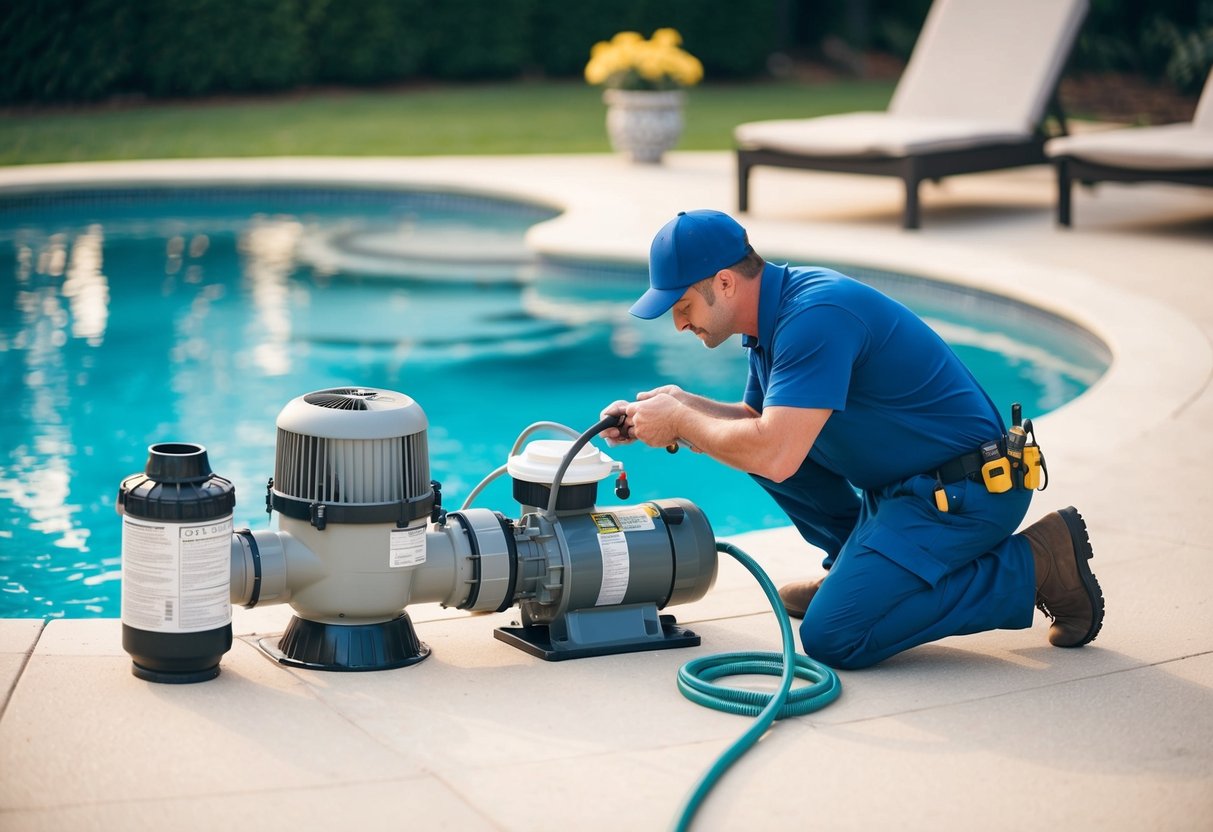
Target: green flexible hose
x,y
695,681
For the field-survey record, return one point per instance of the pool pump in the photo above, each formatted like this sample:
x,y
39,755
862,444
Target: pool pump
x,y
362,534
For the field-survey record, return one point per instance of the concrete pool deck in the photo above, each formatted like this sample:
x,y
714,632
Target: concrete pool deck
x,y
993,731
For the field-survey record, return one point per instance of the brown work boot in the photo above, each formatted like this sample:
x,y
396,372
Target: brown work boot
x,y
796,597
1066,589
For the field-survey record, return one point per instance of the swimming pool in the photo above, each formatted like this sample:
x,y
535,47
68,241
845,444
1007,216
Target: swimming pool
x,y
134,316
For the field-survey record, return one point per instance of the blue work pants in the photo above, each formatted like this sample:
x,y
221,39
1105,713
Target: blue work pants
x,y
903,573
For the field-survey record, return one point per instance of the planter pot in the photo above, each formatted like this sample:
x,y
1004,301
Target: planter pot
x,y
643,123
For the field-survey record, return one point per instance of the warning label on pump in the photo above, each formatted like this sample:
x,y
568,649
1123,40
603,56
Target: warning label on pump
x,y
616,567
606,523
639,519
176,576
406,547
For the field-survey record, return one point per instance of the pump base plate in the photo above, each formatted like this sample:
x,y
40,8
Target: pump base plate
x,y
538,642
347,647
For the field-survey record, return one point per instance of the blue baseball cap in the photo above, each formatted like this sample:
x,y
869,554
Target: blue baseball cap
x,y
688,248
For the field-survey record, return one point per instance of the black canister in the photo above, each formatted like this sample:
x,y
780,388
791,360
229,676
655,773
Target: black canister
x,y
176,566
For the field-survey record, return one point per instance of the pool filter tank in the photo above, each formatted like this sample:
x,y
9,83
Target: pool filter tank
x,y
176,533
362,534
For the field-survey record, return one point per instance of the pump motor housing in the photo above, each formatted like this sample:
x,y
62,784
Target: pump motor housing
x,y
352,455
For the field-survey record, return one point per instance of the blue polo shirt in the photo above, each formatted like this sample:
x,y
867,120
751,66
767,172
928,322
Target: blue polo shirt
x,y
903,402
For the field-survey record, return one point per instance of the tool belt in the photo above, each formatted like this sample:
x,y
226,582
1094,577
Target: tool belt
x,y
1013,461
964,467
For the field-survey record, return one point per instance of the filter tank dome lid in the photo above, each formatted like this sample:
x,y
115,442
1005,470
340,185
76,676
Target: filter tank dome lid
x,y
540,460
353,413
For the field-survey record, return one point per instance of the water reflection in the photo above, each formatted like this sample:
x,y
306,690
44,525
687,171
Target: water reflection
x,y
86,288
268,252
61,293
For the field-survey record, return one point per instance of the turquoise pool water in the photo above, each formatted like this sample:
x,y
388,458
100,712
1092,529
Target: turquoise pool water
x,y
133,317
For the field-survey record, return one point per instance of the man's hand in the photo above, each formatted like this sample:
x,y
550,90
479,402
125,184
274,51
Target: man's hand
x,y
623,434
620,435
653,418
668,390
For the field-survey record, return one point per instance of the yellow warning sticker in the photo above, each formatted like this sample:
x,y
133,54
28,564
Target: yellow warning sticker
x,y
606,523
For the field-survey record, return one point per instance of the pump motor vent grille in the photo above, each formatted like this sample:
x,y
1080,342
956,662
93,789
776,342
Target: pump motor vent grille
x,y
341,398
352,471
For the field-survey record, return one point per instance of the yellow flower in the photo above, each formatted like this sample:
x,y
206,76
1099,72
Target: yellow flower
x,y
667,37
628,61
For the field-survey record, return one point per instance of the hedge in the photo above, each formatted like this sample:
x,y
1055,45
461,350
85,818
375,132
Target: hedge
x,y
73,50
51,50
198,46
79,50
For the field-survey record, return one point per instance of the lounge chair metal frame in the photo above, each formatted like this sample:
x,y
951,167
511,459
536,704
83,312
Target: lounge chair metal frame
x,y
1071,168
911,169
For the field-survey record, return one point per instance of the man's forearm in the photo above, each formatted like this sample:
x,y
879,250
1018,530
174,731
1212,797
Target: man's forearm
x,y
772,445
734,440
713,408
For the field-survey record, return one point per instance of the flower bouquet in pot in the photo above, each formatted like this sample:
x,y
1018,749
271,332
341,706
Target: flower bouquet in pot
x,y
644,82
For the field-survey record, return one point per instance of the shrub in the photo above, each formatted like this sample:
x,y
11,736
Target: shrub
x,y
367,42
468,39
189,47
51,50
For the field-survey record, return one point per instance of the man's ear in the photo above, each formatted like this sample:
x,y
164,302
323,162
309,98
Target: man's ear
x,y
726,280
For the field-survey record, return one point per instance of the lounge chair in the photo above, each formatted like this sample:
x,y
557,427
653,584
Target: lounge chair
x,y
973,97
1180,153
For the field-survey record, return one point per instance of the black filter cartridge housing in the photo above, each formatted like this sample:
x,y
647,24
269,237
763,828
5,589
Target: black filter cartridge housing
x,y
176,565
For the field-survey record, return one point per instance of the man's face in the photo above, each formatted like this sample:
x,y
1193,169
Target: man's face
x,y
705,314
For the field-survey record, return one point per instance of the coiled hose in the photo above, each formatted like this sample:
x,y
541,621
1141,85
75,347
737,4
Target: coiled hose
x,y
695,680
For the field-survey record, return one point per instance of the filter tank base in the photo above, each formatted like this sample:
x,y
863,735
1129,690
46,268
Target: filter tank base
x,y
189,678
537,641
348,647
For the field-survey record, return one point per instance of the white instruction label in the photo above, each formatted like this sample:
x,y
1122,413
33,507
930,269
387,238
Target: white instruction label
x,y
176,577
406,547
616,565
639,519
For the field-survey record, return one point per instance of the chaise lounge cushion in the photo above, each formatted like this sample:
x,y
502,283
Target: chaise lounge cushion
x,y
1168,147
873,135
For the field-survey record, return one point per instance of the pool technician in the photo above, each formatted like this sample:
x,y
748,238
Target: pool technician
x,y
878,443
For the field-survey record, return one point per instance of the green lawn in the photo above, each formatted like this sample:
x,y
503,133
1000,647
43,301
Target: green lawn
x,y
524,117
